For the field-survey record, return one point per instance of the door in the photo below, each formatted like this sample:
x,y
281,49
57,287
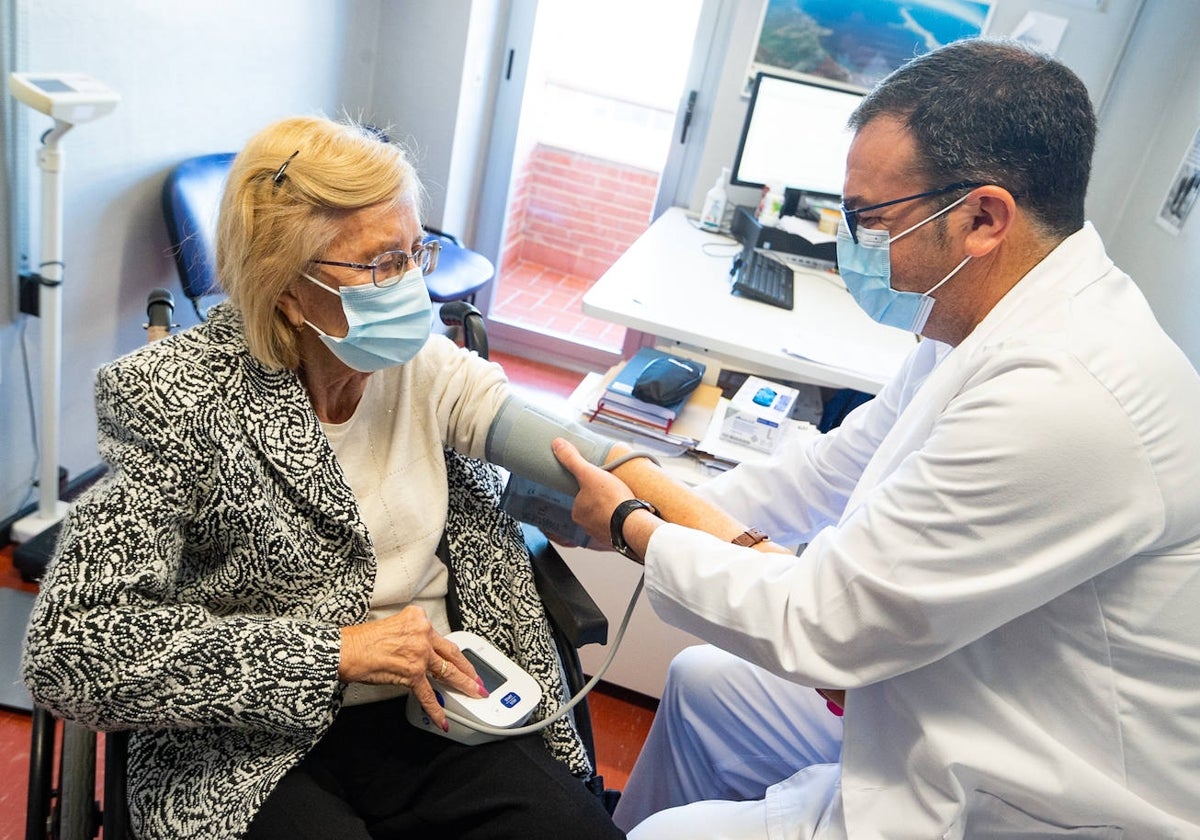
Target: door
x,y
584,149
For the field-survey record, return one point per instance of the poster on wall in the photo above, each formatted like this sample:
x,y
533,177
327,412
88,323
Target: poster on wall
x,y
1182,192
858,43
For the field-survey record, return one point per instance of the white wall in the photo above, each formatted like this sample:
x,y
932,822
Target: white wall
x,y
195,76
1153,115
418,74
436,76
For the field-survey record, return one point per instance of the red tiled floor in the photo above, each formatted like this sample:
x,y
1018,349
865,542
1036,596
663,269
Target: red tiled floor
x,y
550,301
621,721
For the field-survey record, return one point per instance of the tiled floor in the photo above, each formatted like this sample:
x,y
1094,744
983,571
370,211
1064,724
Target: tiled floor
x,y
621,719
547,300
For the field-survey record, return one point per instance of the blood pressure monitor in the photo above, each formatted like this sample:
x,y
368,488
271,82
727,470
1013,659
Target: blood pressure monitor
x,y
512,695
68,97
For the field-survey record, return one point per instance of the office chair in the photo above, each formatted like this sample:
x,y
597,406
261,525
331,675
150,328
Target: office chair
x,y
191,199
69,811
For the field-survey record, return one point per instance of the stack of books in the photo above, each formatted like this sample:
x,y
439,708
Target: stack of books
x,y
617,406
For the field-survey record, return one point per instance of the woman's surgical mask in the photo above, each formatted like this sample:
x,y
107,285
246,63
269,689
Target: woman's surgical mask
x,y
866,269
388,326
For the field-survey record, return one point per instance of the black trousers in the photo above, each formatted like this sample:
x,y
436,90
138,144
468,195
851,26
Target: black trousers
x,y
375,776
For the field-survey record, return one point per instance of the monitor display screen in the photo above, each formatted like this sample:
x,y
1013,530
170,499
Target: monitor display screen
x,y
795,134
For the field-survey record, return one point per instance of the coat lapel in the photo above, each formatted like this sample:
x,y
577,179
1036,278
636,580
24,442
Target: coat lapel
x,y
279,421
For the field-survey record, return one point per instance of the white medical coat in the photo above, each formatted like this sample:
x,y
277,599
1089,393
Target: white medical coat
x,y
1003,570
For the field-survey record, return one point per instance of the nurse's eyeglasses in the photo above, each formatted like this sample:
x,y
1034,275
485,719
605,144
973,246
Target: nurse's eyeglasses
x,y
851,216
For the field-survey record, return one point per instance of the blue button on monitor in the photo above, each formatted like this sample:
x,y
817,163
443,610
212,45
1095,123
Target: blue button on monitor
x,y
511,699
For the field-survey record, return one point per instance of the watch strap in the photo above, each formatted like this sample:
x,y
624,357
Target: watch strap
x,y
750,537
616,525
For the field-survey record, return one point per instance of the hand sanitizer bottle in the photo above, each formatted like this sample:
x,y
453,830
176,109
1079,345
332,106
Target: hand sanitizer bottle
x,y
714,203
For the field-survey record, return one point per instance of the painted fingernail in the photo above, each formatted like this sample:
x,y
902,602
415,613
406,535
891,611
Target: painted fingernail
x,y
479,682
445,726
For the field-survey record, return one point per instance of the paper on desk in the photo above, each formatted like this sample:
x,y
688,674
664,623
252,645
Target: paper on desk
x,y
879,360
697,412
805,228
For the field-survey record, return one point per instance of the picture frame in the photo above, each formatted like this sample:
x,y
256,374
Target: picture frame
x,y
857,44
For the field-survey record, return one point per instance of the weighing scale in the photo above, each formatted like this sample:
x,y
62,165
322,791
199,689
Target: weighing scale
x,y
69,99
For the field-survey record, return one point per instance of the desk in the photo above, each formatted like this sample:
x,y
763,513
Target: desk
x,y
666,285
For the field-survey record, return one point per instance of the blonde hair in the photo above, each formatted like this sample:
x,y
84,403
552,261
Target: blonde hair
x,y
277,219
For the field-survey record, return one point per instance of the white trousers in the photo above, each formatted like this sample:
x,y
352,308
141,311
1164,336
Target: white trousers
x,y
724,732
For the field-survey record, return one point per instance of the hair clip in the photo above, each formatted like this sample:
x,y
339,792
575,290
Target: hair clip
x,y
278,179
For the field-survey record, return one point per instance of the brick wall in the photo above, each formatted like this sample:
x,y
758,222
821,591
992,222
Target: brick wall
x,y
576,213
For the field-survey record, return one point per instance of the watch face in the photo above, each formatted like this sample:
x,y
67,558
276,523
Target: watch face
x,y
617,525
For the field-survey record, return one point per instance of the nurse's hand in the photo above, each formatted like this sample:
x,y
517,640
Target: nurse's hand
x,y
599,492
404,649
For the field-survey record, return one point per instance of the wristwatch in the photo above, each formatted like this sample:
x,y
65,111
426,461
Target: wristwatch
x,y
616,525
753,536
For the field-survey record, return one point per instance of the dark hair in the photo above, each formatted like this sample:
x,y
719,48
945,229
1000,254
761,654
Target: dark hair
x,y
996,112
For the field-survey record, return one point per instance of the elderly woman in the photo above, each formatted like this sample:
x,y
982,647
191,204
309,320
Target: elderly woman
x,y
256,586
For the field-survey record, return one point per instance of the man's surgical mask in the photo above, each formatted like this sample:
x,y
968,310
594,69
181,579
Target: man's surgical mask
x,y
388,326
866,268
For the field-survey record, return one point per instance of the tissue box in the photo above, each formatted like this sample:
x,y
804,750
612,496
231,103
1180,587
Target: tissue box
x,y
757,414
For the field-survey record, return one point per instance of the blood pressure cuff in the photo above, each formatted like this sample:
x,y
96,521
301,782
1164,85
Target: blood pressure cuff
x,y
667,380
519,440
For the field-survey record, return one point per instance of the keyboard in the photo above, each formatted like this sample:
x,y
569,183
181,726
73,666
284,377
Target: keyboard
x,y
763,278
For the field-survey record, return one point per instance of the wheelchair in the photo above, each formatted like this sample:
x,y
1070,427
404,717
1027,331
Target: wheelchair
x,y
66,808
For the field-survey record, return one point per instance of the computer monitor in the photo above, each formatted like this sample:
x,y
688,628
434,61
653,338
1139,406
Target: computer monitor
x,y
795,134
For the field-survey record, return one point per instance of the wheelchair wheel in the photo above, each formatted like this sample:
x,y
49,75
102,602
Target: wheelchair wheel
x,y
77,784
41,775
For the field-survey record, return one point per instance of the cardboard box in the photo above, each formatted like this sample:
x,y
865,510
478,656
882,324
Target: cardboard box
x,y
757,414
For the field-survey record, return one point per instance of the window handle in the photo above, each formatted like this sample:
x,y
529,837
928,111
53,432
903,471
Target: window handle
x,y
687,116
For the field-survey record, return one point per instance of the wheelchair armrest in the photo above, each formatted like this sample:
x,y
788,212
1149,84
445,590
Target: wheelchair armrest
x,y
568,604
461,313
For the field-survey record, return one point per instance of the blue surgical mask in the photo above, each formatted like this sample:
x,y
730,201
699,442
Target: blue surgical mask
x,y
866,269
388,326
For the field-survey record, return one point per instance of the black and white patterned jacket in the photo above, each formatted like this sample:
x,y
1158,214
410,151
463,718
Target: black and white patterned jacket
x,y
198,590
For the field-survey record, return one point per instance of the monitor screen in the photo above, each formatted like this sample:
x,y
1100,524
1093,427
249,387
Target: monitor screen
x,y
492,679
795,134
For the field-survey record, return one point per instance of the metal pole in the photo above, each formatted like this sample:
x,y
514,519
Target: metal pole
x,y
50,161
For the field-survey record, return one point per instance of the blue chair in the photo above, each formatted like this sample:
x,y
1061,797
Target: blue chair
x,y
460,271
191,199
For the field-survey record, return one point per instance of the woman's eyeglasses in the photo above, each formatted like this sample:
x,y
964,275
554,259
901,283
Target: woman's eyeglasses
x,y
387,268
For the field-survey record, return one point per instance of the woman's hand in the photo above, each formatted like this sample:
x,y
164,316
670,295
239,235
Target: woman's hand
x,y
835,699
404,649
